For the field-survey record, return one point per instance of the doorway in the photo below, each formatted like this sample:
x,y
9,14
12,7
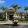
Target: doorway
x,y
10,17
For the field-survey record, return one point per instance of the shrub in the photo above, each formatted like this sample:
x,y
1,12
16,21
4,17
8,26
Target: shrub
x,y
26,19
3,19
23,19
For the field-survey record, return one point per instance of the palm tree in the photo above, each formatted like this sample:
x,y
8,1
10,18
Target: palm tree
x,y
26,8
21,14
16,7
4,9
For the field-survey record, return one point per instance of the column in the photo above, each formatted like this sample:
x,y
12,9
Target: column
x,y
6,15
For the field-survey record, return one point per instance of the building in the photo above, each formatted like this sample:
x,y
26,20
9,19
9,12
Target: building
x,y
10,13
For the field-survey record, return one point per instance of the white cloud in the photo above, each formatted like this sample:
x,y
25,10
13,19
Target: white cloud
x,y
2,2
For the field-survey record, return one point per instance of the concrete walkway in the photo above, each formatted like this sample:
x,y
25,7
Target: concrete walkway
x,y
9,22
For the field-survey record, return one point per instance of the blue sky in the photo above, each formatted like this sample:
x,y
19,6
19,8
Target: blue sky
x,y
8,3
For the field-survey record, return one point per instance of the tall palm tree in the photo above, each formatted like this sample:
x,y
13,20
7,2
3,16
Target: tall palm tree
x,y
26,8
16,7
21,14
4,9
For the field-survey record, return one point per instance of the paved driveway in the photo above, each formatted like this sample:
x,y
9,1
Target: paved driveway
x,y
10,26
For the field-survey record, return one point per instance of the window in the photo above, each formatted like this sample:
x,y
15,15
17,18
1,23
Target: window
x,y
26,16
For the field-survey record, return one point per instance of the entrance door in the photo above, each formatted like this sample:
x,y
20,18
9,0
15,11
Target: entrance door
x,y
11,17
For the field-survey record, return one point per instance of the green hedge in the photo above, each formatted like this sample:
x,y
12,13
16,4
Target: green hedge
x,y
3,19
23,19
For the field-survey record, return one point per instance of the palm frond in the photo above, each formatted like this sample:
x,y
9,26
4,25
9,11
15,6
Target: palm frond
x,y
26,8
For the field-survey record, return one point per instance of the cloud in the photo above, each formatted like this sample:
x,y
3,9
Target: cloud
x,y
2,2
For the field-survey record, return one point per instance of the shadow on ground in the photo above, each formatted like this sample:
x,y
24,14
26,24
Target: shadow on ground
x,y
12,24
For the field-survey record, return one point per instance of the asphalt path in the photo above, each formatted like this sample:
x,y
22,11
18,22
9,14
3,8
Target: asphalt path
x,y
11,26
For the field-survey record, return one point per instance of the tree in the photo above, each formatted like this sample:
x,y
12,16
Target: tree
x,y
4,9
16,7
26,8
21,14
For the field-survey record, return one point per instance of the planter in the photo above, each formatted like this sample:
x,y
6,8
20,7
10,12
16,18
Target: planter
x,y
15,22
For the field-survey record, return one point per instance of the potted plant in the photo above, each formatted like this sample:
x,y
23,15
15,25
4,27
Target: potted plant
x,y
15,21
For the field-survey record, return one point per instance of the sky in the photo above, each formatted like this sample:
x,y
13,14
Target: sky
x,y
8,3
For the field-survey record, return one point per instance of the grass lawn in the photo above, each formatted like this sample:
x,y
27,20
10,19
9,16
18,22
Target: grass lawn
x,y
23,21
3,20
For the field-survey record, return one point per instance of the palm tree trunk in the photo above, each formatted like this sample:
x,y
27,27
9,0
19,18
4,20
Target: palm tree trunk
x,y
21,15
26,11
3,14
26,15
6,15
